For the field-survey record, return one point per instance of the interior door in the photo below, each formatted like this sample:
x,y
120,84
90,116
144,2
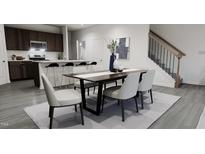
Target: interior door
x,y
3,59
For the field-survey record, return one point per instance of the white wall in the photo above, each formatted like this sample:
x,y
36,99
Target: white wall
x,y
191,40
4,77
97,37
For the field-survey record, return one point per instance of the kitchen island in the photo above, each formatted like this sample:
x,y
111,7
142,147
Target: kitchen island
x,y
55,74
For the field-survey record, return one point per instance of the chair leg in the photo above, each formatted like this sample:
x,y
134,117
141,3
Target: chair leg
x,y
136,103
81,113
103,101
142,102
76,108
116,83
137,95
88,91
104,86
94,90
151,95
122,109
118,102
74,87
51,111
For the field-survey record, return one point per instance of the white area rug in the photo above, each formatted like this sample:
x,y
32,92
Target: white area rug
x,y
111,116
201,123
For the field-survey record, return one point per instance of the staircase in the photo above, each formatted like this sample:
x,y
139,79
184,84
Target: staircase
x,y
166,56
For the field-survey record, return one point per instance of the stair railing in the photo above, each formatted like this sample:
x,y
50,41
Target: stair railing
x,y
165,55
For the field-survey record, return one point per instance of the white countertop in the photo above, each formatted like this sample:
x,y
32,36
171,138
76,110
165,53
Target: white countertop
x,y
19,60
61,61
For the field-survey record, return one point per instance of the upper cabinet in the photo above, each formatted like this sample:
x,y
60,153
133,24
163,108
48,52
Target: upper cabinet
x,y
23,39
59,39
19,39
12,42
51,41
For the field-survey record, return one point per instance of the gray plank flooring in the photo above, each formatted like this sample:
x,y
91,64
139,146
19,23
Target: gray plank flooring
x,y
16,96
186,112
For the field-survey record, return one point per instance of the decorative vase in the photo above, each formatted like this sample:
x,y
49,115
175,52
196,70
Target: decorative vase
x,y
116,64
112,59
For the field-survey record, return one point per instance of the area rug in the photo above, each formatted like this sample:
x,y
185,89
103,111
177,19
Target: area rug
x,y
67,118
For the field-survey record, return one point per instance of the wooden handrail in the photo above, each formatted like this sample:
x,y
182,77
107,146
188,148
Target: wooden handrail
x,y
165,54
169,44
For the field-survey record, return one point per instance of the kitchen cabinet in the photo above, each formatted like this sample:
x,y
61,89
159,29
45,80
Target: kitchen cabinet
x,y
21,70
33,35
12,42
23,39
42,36
59,44
51,42
19,39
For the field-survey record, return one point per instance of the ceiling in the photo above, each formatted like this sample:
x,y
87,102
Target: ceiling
x,y
74,27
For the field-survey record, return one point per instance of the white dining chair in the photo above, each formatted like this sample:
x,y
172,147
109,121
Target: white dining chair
x,y
126,91
61,98
146,85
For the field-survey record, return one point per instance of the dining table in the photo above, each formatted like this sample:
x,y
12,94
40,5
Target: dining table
x,y
100,78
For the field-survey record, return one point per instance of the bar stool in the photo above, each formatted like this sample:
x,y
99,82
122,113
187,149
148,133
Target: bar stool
x,y
67,66
93,63
53,66
82,64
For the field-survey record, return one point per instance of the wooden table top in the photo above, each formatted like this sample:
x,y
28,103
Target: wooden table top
x,y
103,76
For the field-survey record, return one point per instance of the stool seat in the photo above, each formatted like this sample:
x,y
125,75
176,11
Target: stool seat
x,y
68,64
93,63
82,64
53,65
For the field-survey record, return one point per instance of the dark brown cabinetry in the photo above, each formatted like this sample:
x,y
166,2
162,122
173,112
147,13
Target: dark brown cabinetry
x,y
51,42
23,39
59,38
42,36
12,38
19,39
33,35
21,70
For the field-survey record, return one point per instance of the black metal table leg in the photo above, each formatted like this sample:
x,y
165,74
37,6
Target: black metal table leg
x,y
151,96
99,99
123,80
83,93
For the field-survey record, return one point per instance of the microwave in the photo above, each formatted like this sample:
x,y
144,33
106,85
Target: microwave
x,y
38,45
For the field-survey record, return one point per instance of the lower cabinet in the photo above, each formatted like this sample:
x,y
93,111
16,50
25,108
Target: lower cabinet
x,y
20,70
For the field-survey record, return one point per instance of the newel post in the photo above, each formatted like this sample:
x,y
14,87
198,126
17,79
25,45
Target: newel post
x,y
177,76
